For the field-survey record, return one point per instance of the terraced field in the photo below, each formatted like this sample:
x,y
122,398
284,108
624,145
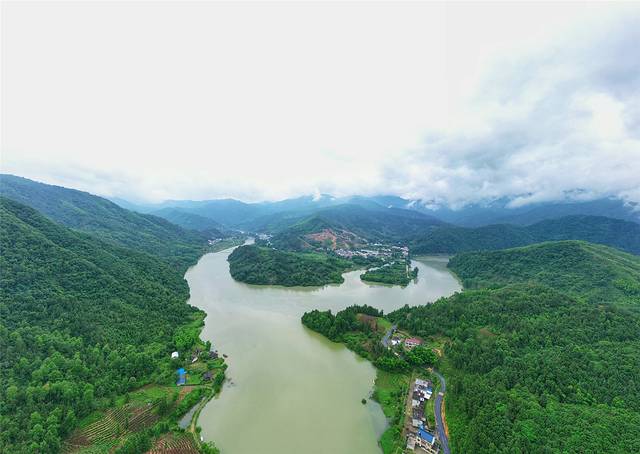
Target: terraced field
x,y
174,444
115,424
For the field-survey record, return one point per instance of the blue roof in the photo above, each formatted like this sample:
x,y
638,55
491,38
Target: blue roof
x,y
425,435
182,380
181,371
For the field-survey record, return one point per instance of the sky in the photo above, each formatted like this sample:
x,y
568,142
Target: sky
x,y
450,103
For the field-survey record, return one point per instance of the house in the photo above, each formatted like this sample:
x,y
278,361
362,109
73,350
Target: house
x,y
182,377
175,355
412,342
423,389
213,355
208,375
426,441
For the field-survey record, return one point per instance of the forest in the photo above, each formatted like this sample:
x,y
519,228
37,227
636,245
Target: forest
x,y
536,363
107,221
623,235
577,268
395,273
82,321
266,266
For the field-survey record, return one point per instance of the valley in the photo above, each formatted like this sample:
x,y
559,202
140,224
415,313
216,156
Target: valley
x,y
320,227
312,337
289,389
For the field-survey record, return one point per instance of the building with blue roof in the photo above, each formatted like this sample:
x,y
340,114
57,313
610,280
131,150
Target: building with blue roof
x,y
182,377
426,436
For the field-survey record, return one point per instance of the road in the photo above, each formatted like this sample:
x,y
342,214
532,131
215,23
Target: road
x,y
387,336
442,436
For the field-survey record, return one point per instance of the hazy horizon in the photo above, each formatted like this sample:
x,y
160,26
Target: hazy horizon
x,y
448,103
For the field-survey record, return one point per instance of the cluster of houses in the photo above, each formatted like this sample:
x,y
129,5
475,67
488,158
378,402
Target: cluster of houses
x,y
418,435
182,373
366,253
409,343
382,252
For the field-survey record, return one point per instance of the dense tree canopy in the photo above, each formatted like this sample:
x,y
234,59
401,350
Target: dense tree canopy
x,y
580,269
533,368
261,265
106,220
81,321
623,235
397,272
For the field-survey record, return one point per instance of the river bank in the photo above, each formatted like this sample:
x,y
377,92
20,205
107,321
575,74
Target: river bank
x,y
320,384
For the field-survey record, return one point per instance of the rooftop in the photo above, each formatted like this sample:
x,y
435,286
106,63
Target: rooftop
x,y
426,436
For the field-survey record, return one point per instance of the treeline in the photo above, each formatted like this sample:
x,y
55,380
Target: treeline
x,y
623,235
349,327
261,265
531,368
335,326
376,224
107,221
81,321
396,273
579,269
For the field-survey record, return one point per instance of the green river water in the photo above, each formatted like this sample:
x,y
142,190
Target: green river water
x,y
290,390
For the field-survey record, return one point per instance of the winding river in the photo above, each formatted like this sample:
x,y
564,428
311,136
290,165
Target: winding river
x,y
290,390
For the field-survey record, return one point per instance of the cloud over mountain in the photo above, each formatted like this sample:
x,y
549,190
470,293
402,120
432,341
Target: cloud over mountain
x,y
563,123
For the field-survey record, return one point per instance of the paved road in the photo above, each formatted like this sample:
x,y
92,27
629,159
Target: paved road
x,y
387,336
442,436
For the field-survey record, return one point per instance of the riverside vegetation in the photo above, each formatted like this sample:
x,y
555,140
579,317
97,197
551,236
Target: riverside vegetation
x,y
86,323
361,329
397,272
540,355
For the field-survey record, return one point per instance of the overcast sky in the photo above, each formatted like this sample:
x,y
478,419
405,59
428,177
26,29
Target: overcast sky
x,y
452,103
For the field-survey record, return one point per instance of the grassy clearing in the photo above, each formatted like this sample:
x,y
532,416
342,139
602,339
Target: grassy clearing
x,y
226,244
390,392
383,324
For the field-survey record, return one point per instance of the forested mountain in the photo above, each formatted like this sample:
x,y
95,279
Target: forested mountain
x,y
106,220
539,362
580,269
82,320
500,211
388,225
192,221
623,235
274,216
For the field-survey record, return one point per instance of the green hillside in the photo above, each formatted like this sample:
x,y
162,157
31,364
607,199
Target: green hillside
x,y
106,220
597,273
617,233
530,369
192,221
535,361
380,224
82,321
259,265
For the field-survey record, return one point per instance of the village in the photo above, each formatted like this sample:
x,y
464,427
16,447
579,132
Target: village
x,y
377,250
419,438
420,434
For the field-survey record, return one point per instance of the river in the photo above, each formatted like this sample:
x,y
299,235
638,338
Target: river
x,y
290,390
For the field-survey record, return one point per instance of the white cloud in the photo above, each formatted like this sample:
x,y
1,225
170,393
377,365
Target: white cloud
x,y
448,102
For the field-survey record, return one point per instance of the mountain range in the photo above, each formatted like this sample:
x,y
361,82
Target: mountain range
x,y
264,215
